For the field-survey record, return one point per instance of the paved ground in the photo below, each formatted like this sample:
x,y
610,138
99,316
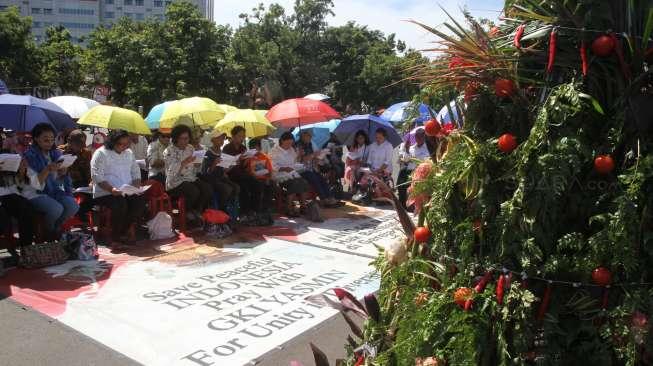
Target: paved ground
x,y
29,338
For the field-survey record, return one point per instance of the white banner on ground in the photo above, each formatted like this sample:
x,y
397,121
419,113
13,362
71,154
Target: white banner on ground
x,y
356,236
228,312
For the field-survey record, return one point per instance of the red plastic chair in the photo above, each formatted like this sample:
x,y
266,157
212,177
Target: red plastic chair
x,y
159,201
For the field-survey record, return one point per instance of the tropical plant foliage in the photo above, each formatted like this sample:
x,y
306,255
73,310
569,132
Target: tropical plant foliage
x,y
541,216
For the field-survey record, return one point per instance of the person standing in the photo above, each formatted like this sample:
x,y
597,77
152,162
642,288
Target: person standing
x,y
181,174
155,161
55,199
112,166
407,156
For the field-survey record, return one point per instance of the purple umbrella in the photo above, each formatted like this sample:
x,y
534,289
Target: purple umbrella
x,y
410,136
21,113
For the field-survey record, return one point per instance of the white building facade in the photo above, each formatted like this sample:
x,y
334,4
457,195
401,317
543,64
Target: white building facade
x,y
80,17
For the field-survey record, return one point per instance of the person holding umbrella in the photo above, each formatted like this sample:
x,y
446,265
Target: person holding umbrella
x,y
55,199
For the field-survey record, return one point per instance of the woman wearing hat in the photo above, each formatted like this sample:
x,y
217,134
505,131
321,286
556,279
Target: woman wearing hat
x,y
214,174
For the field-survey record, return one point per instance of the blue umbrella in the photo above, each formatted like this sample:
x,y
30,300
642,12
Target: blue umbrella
x,y
321,131
3,88
368,123
398,113
451,114
22,112
153,118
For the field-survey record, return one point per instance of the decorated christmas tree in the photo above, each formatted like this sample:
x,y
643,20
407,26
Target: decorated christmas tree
x,y
534,243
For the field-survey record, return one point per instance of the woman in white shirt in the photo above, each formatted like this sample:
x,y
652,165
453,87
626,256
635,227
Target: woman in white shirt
x,y
181,174
357,154
284,162
15,193
407,156
112,166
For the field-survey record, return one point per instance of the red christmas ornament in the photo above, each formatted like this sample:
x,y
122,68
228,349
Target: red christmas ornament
x,y
477,225
601,276
422,234
604,164
603,46
507,143
461,296
432,127
640,320
504,88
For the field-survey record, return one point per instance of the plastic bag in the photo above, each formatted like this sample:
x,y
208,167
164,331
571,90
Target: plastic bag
x,y
160,227
215,216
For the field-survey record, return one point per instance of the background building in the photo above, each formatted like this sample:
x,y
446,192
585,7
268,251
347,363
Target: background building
x,y
81,17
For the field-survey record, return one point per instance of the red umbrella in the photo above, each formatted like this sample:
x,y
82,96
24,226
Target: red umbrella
x,y
300,111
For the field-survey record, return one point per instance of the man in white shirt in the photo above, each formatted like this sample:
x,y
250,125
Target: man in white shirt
x,y
407,156
379,154
138,145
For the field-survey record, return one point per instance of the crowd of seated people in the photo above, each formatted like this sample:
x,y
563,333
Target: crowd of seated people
x,y
293,172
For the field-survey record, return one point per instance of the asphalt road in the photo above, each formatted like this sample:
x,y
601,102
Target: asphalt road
x,y
28,338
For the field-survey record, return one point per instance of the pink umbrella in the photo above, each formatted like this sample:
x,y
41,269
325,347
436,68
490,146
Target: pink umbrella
x,y
300,111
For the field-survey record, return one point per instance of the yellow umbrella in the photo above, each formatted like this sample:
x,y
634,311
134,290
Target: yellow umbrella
x,y
115,118
202,112
254,122
227,108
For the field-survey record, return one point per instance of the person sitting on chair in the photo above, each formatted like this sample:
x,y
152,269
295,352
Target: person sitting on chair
x,y
407,156
284,161
215,175
260,166
311,161
156,165
113,166
55,200
356,157
181,174
379,162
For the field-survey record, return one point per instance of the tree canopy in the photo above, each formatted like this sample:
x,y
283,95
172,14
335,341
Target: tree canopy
x,y
274,54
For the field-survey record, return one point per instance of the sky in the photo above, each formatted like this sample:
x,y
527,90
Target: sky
x,y
387,16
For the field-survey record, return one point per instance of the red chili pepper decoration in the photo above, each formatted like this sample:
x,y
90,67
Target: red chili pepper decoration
x,y
506,286
553,39
545,303
620,56
518,34
500,284
468,304
583,57
360,361
480,286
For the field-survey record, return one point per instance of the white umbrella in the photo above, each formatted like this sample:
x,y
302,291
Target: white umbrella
x,y
317,96
451,113
73,105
